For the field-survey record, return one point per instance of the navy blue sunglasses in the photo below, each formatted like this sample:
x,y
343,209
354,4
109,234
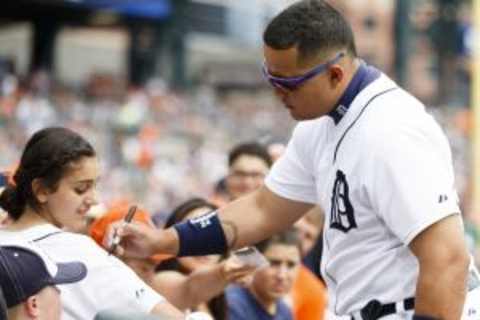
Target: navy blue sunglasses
x,y
291,83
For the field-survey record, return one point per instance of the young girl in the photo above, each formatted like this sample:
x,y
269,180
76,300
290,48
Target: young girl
x,y
52,190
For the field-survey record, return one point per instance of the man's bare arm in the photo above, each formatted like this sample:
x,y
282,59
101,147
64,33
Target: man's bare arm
x,y
245,221
257,216
443,261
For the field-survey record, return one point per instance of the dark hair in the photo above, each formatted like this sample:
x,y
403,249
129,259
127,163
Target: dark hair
x,y
313,26
179,213
287,237
47,156
250,149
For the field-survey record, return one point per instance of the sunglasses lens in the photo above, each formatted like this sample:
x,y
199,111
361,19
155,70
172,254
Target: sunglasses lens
x,y
275,83
284,86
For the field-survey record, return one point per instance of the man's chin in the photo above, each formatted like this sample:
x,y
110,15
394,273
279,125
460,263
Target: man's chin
x,y
300,117
275,295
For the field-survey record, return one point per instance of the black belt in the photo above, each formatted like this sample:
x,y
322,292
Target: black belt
x,y
375,309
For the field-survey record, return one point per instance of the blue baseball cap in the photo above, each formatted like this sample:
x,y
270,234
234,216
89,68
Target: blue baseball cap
x,y
25,270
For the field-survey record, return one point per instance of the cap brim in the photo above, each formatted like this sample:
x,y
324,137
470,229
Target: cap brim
x,y
70,272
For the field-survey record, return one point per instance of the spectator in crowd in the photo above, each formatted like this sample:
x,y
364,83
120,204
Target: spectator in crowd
x,y
220,195
262,299
309,227
248,164
308,295
29,280
183,291
275,150
217,306
53,188
322,82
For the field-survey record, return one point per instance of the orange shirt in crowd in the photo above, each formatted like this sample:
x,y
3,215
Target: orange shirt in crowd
x,y
309,296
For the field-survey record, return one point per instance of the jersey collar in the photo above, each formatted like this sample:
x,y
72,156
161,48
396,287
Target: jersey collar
x,y
362,78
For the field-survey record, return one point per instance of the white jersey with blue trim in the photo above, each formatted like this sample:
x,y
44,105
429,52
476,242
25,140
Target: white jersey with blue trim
x,y
382,174
109,284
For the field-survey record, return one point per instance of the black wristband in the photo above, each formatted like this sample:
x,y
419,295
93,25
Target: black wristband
x,y
424,317
201,236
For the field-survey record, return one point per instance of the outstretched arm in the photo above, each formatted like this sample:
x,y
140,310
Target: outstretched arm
x,y
246,221
188,291
258,216
443,260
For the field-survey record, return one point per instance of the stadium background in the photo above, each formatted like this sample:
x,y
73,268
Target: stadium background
x,y
164,88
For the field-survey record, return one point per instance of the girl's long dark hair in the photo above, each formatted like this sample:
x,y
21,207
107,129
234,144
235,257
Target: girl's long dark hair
x,y
46,157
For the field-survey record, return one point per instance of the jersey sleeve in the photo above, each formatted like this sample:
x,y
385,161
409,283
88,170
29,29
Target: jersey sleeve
x,y
411,179
291,176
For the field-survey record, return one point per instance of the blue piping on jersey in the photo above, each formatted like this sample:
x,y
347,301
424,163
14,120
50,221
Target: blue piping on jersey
x,y
363,77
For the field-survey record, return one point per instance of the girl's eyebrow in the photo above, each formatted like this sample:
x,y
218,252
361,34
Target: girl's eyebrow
x,y
87,180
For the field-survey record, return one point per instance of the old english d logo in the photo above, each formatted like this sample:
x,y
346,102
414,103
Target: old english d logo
x,y
342,213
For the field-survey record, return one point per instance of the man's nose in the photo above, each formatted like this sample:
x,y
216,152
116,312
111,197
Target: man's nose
x,y
283,271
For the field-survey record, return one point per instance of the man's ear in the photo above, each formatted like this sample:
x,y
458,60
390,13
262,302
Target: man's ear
x,y
40,191
336,74
31,306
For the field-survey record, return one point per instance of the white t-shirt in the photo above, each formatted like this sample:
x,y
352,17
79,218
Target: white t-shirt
x,y
382,175
109,284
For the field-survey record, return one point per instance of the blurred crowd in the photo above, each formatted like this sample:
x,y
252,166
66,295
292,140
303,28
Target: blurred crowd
x,y
155,145
159,146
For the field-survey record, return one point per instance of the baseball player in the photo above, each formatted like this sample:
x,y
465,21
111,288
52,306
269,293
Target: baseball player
x,y
365,151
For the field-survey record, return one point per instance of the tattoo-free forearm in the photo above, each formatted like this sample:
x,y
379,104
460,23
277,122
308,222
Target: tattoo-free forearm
x,y
257,216
167,241
231,233
441,291
443,268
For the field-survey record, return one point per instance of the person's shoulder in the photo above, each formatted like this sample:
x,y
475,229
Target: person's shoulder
x,y
78,240
397,115
239,306
308,134
307,127
65,246
283,311
235,292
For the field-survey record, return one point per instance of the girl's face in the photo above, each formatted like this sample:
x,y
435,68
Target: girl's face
x,y
67,206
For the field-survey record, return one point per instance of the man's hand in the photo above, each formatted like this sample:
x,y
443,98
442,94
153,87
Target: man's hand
x,y
141,241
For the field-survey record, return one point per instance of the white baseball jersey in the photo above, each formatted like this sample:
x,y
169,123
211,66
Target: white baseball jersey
x,y
109,284
382,174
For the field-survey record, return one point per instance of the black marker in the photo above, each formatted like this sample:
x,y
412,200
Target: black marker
x,y
116,238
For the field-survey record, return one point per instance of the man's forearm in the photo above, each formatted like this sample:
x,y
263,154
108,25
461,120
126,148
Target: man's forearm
x,y
441,291
167,241
257,216
245,221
